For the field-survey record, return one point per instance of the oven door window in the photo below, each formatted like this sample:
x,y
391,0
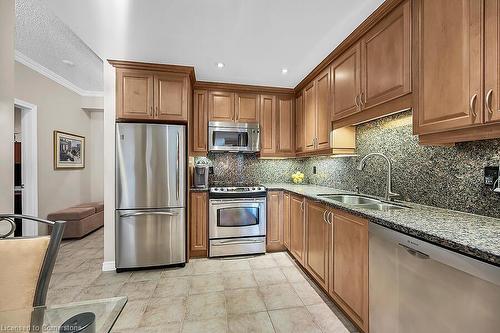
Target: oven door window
x,y
230,139
238,217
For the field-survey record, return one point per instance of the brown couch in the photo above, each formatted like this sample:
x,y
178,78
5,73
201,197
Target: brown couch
x,y
81,219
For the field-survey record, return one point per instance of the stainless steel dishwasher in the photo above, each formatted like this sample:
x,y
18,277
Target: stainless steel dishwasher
x,y
418,287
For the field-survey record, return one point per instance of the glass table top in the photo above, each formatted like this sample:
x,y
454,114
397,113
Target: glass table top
x,y
50,318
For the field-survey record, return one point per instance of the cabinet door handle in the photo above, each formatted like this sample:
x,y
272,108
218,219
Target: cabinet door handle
x,y
356,101
362,99
151,110
324,216
472,105
302,206
330,217
488,101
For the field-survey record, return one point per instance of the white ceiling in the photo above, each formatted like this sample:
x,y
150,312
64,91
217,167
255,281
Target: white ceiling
x,y
45,39
255,39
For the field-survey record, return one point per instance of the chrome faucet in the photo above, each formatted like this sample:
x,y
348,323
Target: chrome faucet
x,y
389,195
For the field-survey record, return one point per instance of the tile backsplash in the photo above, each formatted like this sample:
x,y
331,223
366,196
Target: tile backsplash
x,y
448,177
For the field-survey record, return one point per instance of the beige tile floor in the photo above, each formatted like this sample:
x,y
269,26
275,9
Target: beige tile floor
x,y
266,293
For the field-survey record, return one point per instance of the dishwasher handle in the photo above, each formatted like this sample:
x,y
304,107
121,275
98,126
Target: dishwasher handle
x,y
414,252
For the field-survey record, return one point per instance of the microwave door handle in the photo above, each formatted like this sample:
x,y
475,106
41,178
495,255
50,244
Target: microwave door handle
x,y
149,213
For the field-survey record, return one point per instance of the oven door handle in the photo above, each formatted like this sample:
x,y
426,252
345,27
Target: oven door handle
x,y
232,201
237,242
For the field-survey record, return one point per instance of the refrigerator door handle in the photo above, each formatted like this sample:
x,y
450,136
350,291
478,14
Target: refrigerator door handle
x,y
149,213
177,165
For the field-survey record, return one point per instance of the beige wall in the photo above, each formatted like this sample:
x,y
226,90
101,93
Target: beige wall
x,y
7,26
97,155
109,166
58,109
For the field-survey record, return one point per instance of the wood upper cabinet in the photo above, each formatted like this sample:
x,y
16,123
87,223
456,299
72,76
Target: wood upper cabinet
x,y
199,123
286,220
448,70
267,125
198,224
309,96
274,235
171,96
346,83
134,94
323,110
385,58
247,108
318,232
285,122
152,92
350,266
221,106
299,124
492,60
297,228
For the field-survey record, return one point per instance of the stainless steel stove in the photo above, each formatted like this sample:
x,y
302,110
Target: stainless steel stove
x,y
237,220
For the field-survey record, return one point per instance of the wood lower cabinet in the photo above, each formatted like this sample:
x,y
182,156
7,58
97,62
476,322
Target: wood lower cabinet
x,y
171,96
448,68
349,259
247,108
198,224
297,228
221,106
386,59
285,122
199,123
268,125
492,61
274,236
134,94
318,232
286,220
346,83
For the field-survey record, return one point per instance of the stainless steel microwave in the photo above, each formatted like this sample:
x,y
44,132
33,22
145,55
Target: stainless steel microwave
x,y
233,137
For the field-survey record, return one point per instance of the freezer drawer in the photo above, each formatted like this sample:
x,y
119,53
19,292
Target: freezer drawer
x,y
147,238
150,166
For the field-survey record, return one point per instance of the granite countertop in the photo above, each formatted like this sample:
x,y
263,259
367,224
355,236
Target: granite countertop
x,y
472,235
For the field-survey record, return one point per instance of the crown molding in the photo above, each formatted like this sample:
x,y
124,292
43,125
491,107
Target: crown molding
x,y
28,62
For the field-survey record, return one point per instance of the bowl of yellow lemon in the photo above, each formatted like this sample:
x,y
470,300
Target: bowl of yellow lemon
x,y
298,177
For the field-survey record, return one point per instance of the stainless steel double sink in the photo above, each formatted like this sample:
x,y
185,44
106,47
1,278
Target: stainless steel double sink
x,y
361,201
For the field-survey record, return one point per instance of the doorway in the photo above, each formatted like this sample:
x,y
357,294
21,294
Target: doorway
x,y
26,165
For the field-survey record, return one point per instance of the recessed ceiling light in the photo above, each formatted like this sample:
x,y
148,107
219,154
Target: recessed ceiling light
x,y
220,65
284,70
68,62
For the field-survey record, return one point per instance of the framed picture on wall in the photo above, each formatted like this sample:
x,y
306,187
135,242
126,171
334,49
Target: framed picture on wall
x,y
69,151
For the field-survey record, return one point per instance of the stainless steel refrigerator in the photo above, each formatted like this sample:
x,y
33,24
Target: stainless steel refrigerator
x,y
150,223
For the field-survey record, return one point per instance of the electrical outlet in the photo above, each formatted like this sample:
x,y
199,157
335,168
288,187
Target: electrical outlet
x,y
490,175
314,170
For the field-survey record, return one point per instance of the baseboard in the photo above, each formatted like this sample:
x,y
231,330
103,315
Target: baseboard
x,y
108,266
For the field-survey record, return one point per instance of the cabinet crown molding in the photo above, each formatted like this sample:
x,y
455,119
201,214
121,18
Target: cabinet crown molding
x,y
386,7
189,70
233,87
